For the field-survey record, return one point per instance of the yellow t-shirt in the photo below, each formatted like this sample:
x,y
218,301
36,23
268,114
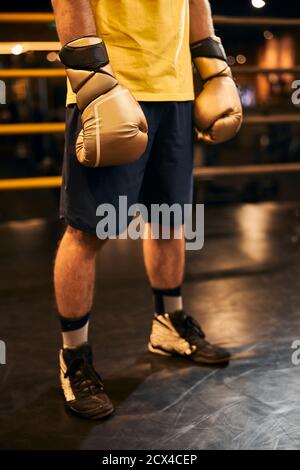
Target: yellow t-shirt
x,y
148,46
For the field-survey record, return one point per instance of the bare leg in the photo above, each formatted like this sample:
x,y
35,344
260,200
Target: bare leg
x,y
164,261
74,272
74,276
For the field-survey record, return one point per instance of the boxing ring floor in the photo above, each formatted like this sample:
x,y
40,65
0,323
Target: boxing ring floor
x,y
243,287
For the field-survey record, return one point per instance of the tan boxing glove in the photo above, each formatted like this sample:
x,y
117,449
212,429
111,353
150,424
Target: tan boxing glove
x,y
114,128
218,111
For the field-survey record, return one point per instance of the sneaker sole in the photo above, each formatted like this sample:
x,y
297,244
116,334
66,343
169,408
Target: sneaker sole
x,y
161,352
92,415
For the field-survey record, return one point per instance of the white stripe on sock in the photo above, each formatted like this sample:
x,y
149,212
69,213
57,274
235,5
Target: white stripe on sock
x,y
172,303
73,339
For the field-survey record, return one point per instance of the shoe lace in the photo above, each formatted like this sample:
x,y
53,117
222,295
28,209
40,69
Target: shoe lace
x,y
84,377
192,328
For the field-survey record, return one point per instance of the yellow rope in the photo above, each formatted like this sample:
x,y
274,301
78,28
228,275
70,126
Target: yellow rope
x,y
32,128
30,183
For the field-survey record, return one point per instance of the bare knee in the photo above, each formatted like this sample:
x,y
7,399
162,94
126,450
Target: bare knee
x,y
85,240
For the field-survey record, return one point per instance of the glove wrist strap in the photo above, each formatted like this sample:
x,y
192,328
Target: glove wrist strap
x,y
210,48
209,58
86,53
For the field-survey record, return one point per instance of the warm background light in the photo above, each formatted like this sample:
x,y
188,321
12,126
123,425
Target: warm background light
x,y
277,52
17,49
268,35
258,3
241,59
52,56
230,60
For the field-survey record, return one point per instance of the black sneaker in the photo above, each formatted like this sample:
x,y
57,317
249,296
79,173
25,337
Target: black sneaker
x,y
82,386
179,334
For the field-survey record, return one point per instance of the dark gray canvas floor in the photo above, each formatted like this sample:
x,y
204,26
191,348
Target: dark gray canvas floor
x,y
244,289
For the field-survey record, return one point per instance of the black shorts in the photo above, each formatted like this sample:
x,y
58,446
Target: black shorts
x,y
162,175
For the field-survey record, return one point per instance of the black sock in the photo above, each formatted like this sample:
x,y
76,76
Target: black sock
x,y
74,330
167,300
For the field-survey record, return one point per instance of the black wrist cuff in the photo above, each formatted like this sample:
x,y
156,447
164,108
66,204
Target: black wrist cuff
x,y
209,48
85,57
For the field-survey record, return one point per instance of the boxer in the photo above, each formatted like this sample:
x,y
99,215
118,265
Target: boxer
x,y
130,121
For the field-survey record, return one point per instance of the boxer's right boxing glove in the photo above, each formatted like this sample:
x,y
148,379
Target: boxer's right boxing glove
x,y
114,128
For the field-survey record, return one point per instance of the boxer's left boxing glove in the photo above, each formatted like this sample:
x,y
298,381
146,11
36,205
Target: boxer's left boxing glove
x,y
218,111
114,128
